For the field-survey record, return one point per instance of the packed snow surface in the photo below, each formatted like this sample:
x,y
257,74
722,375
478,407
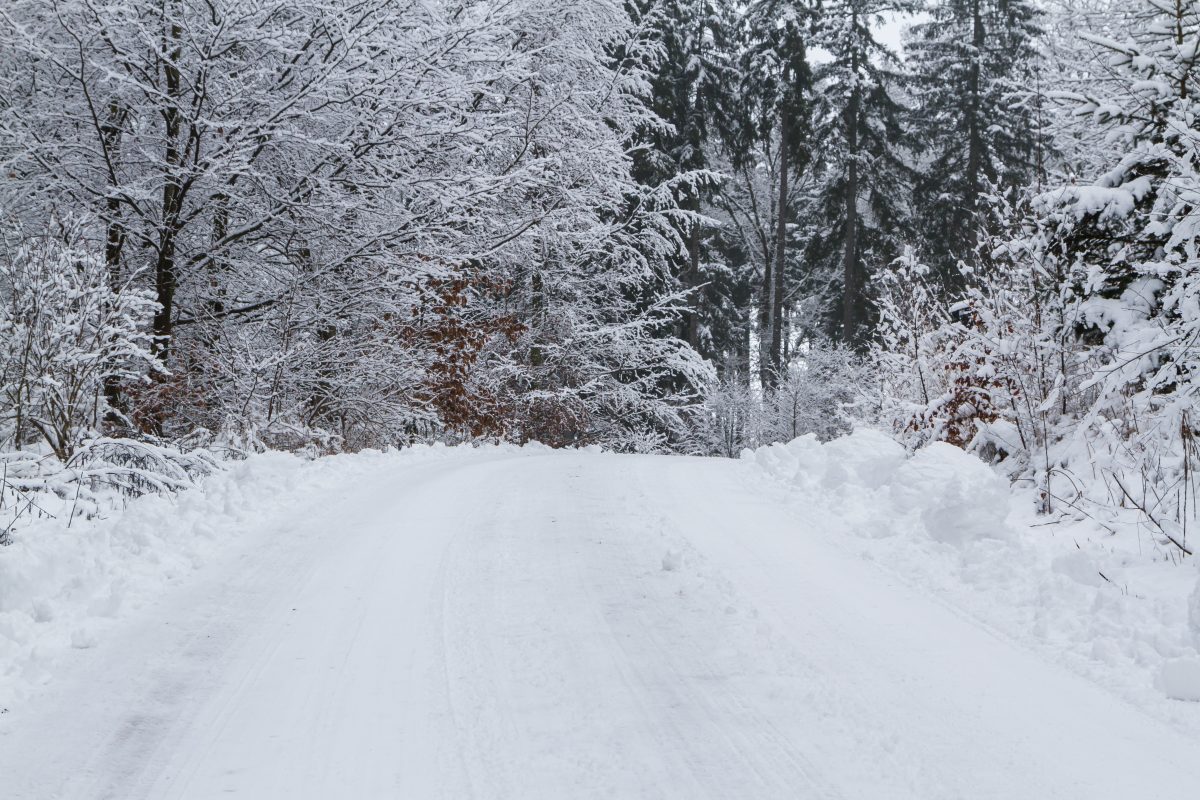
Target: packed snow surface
x,y
503,623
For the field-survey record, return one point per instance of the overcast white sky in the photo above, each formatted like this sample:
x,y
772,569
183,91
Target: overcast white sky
x,y
890,32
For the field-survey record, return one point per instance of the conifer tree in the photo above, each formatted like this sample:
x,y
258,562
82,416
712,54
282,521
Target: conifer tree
x,y
862,161
969,60
691,78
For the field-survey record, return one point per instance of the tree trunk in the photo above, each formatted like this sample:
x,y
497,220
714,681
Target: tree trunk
x,y
537,296
110,135
975,143
114,244
852,277
693,280
743,354
764,323
775,279
165,272
696,144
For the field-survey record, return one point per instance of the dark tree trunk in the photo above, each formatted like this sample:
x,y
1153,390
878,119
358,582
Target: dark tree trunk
x,y
114,243
764,323
692,334
775,280
166,277
975,143
853,283
696,144
537,292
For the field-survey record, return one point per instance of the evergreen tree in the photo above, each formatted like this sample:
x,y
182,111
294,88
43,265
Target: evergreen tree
x,y
690,82
969,59
862,160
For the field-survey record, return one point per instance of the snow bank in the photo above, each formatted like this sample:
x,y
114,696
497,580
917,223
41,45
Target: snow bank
x,y
1180,679
1194,614
953,496
60,587
956,496
1121,612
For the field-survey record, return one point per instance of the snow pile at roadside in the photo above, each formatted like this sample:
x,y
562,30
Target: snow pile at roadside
x,y
61,587
1120,611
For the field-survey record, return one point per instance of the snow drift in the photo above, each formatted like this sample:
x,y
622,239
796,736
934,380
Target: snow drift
x,y
951,496
1122,612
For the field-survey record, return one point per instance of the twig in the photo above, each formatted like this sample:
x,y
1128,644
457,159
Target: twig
x,y
74,505
1141,507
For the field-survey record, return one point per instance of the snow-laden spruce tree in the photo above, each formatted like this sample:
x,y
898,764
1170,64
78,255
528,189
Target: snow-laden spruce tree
x,y
862,160
1135,238
688,57
773,125
971,60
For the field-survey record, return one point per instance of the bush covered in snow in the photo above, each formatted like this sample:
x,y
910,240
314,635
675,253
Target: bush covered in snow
x,y
68,339
822,392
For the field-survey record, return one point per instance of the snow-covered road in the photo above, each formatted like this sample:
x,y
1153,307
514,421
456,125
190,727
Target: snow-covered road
x,y
569,625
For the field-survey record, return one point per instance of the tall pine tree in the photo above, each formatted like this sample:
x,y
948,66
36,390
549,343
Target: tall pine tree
x,y
690,78
969,60
862,162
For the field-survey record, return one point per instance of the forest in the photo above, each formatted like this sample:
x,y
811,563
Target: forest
x,y
622,399
689,226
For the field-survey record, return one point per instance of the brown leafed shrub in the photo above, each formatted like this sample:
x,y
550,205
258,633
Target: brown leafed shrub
x,y
453,322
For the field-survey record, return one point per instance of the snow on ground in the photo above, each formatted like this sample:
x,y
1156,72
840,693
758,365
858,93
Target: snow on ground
x,y
1112,608
62,587
825,621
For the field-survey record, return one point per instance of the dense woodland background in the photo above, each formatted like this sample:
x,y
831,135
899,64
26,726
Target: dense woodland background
x,y
654,225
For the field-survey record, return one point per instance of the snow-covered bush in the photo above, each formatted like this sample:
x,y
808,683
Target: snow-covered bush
x,y
66,336
729,419
821,393
1013,361
100,477
135,468
1124,361
825,389
930,390
1071,352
